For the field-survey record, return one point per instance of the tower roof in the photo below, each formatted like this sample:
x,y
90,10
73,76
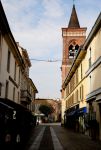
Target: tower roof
x,y
73,22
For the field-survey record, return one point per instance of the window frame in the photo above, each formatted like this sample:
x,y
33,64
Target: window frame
x,y
6,89
15,70
14,93
0,88
90,58
0,48
8,61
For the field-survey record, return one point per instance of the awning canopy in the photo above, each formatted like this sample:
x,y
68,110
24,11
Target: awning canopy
x,y
10,104
3,105
72,113
78,112
82,110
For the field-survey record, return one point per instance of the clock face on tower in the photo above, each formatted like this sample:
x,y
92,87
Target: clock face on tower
x,y
73,49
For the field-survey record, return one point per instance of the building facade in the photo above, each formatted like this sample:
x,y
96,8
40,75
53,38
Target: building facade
x,y
93,80
15,84
16,117
11,62
82,87
73,37
33,91
56,105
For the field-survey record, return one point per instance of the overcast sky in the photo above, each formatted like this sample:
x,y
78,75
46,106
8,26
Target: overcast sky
x,y
36,25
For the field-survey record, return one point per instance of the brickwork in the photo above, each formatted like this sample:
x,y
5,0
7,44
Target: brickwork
x,y
72,35
67,40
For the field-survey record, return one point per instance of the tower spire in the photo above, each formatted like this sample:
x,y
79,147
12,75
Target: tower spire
x,y
73,23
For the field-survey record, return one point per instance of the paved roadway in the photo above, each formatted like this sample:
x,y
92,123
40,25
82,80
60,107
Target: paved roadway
x,y
55,137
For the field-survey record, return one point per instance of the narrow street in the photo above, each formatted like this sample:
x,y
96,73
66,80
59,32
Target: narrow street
x,y
55,137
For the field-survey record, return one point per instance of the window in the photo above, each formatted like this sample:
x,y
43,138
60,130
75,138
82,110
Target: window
x,y
70,86
19,76
66,104
81,92
76,76
81,72
76,48
73,49
18,97
14,93
15,72
90,61
67,90
0,88
0,50
77,96
6,90
72,80
72,99
0,38
71,54
8,61
90,82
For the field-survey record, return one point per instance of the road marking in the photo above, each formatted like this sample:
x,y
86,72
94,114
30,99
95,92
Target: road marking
x,y
57,145
35,145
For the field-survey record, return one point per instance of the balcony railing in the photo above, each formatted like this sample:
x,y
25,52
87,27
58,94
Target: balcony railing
x,y
25,96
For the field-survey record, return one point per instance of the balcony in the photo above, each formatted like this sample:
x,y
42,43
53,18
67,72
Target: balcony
x,y
25,97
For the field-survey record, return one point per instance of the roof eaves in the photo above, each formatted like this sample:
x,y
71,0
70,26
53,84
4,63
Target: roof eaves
x,y
33,85
93,31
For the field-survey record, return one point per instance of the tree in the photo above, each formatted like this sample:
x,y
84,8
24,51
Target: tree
x,y
45,109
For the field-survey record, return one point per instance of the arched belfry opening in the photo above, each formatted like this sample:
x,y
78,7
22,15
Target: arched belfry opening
x,y
73,49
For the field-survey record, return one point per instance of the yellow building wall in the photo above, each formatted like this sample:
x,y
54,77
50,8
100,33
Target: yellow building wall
x,y
81,81
95,46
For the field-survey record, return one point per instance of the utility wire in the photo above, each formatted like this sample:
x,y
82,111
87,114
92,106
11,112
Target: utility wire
x,y
49,60
52,60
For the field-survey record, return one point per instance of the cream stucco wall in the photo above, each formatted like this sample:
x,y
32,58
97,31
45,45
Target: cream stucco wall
x,y
95,46
4,75
81,81
94,77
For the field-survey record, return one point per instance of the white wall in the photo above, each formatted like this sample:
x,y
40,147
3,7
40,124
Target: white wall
x,y
4,75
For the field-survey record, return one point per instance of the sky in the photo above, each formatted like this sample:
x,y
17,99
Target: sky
x,y
36,25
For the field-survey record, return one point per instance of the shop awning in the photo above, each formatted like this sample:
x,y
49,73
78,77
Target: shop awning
x,y
5,107
78,112
13,105
82,110
72,113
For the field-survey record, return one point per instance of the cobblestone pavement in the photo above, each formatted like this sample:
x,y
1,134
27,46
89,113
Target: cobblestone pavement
x,y
55,137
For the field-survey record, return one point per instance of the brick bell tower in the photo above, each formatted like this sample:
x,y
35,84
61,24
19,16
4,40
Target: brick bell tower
x,y
73,36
